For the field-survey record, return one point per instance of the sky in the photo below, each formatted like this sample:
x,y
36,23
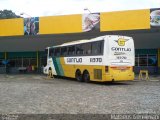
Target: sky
x,y
37,8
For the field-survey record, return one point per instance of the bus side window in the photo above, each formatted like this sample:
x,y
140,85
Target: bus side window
x,y
94,48
51,52
101,46
97,48
71,50
79,50
86,48
88,51
64,51
57,52
46,52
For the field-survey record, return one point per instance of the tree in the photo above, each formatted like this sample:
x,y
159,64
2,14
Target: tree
x,y
7,14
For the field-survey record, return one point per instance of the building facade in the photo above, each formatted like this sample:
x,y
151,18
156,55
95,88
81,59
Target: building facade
x,y
23,40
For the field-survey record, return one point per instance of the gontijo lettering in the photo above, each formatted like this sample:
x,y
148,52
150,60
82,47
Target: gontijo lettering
x,y
120,49
74,60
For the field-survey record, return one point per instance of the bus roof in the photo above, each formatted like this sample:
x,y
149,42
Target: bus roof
x,y
81,41
86,40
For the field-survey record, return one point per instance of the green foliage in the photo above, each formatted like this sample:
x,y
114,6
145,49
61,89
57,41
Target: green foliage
x,y
8,14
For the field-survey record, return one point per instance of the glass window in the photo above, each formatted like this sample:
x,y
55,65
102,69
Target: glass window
x,y
26,62
79,50
143,56
46,52
18,62
87,48
142,61
146,60
12,62
152,60
136,61
43,61
64,51
51,52
23,62
33,61
97,47
136,56
1,64
57,51
71,50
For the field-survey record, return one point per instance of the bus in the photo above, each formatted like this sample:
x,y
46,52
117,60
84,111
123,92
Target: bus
x,y
101,59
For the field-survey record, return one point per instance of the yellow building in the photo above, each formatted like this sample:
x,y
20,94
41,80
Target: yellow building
x,y
23,41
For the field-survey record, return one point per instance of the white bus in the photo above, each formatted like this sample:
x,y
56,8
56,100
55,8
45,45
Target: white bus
x,y
105,58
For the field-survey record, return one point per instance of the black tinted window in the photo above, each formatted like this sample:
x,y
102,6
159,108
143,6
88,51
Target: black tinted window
x,y
51,52
64,51
79,50
97,47
71,50
87,48
57,51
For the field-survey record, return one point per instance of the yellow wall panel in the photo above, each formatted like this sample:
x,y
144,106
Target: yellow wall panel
x,y
60,24
11,27
125,20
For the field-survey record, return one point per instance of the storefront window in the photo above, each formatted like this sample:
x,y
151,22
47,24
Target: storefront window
x,y
22,62
43,62
146,60
18,62
1,64
26,62
143,60
152,60
33,61
136,60
12,63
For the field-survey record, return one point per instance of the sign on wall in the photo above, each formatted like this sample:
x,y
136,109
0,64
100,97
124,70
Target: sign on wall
x,y
155,18
31,26
91,22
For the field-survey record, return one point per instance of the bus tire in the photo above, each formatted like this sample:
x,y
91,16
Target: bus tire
x,y
86,76
78,76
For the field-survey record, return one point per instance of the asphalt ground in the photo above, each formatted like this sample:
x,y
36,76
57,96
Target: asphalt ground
x,y
37,94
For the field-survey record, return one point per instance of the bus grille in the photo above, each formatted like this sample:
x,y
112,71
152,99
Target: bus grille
x,y
98,74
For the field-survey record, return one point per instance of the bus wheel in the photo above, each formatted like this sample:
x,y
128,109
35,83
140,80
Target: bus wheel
x,y
78,76
86,76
